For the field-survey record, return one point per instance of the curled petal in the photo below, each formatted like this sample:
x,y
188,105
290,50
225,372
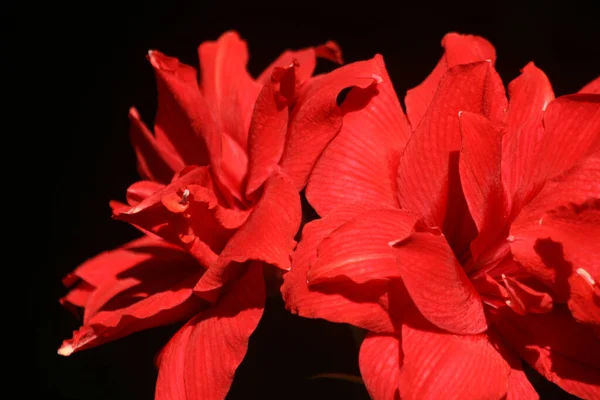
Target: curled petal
x,y
360,164
345,302
316,118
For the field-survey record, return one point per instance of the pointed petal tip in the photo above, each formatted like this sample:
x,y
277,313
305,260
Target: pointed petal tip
x,y
65,350
133,113
331,51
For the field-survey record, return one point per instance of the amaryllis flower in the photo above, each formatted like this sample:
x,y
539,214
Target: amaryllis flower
x,y
219,204
463,237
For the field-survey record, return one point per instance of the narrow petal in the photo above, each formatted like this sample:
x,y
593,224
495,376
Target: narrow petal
x,y
479,167
316,118
441,365
182,116
592,87
438,285
380,359
524,299
360,164
569,356
155,162
347,302
267,235
432,151
554,238
458,49
268,129
132,292
306,59
227,85
359,249
105,267
200,360
186,124
529,95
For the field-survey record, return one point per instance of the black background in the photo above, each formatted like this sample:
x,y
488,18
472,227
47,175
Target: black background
x,y
86,65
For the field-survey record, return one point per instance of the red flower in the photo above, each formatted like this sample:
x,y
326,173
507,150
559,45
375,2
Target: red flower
x,y
220,206
456,236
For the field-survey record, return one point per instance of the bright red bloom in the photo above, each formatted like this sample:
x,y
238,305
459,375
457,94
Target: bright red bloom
x,y
464,237
220,206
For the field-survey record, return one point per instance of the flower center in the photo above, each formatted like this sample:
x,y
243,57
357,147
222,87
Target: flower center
x,y
489,261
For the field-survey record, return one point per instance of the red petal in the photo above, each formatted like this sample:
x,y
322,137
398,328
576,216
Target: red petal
x,y
360,164
432,151
572,132
529,95
133,293
479,167
458,49
140,191
306,59
437,365
201,359
524,299
568,356
185,123
380,360
267,133
106,266
519,387
77,297
592,87
182,117
155,162
555,237
267,235
227,85
185,212
359,249
348,302
316,118
438,285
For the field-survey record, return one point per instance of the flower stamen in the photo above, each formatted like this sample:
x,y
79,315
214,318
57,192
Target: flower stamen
x,y
585,275
184,197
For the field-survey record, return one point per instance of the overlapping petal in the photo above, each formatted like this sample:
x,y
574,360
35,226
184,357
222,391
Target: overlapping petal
x,y
441,365
432,151
200,360
380,360
458,49
227,85
360,164
480,178
344,302
316,117
267,235
145,283
529,95
359,249
562,350
554,237
438,285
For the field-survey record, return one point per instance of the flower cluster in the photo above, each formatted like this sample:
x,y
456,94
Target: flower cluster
x,y
462,234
